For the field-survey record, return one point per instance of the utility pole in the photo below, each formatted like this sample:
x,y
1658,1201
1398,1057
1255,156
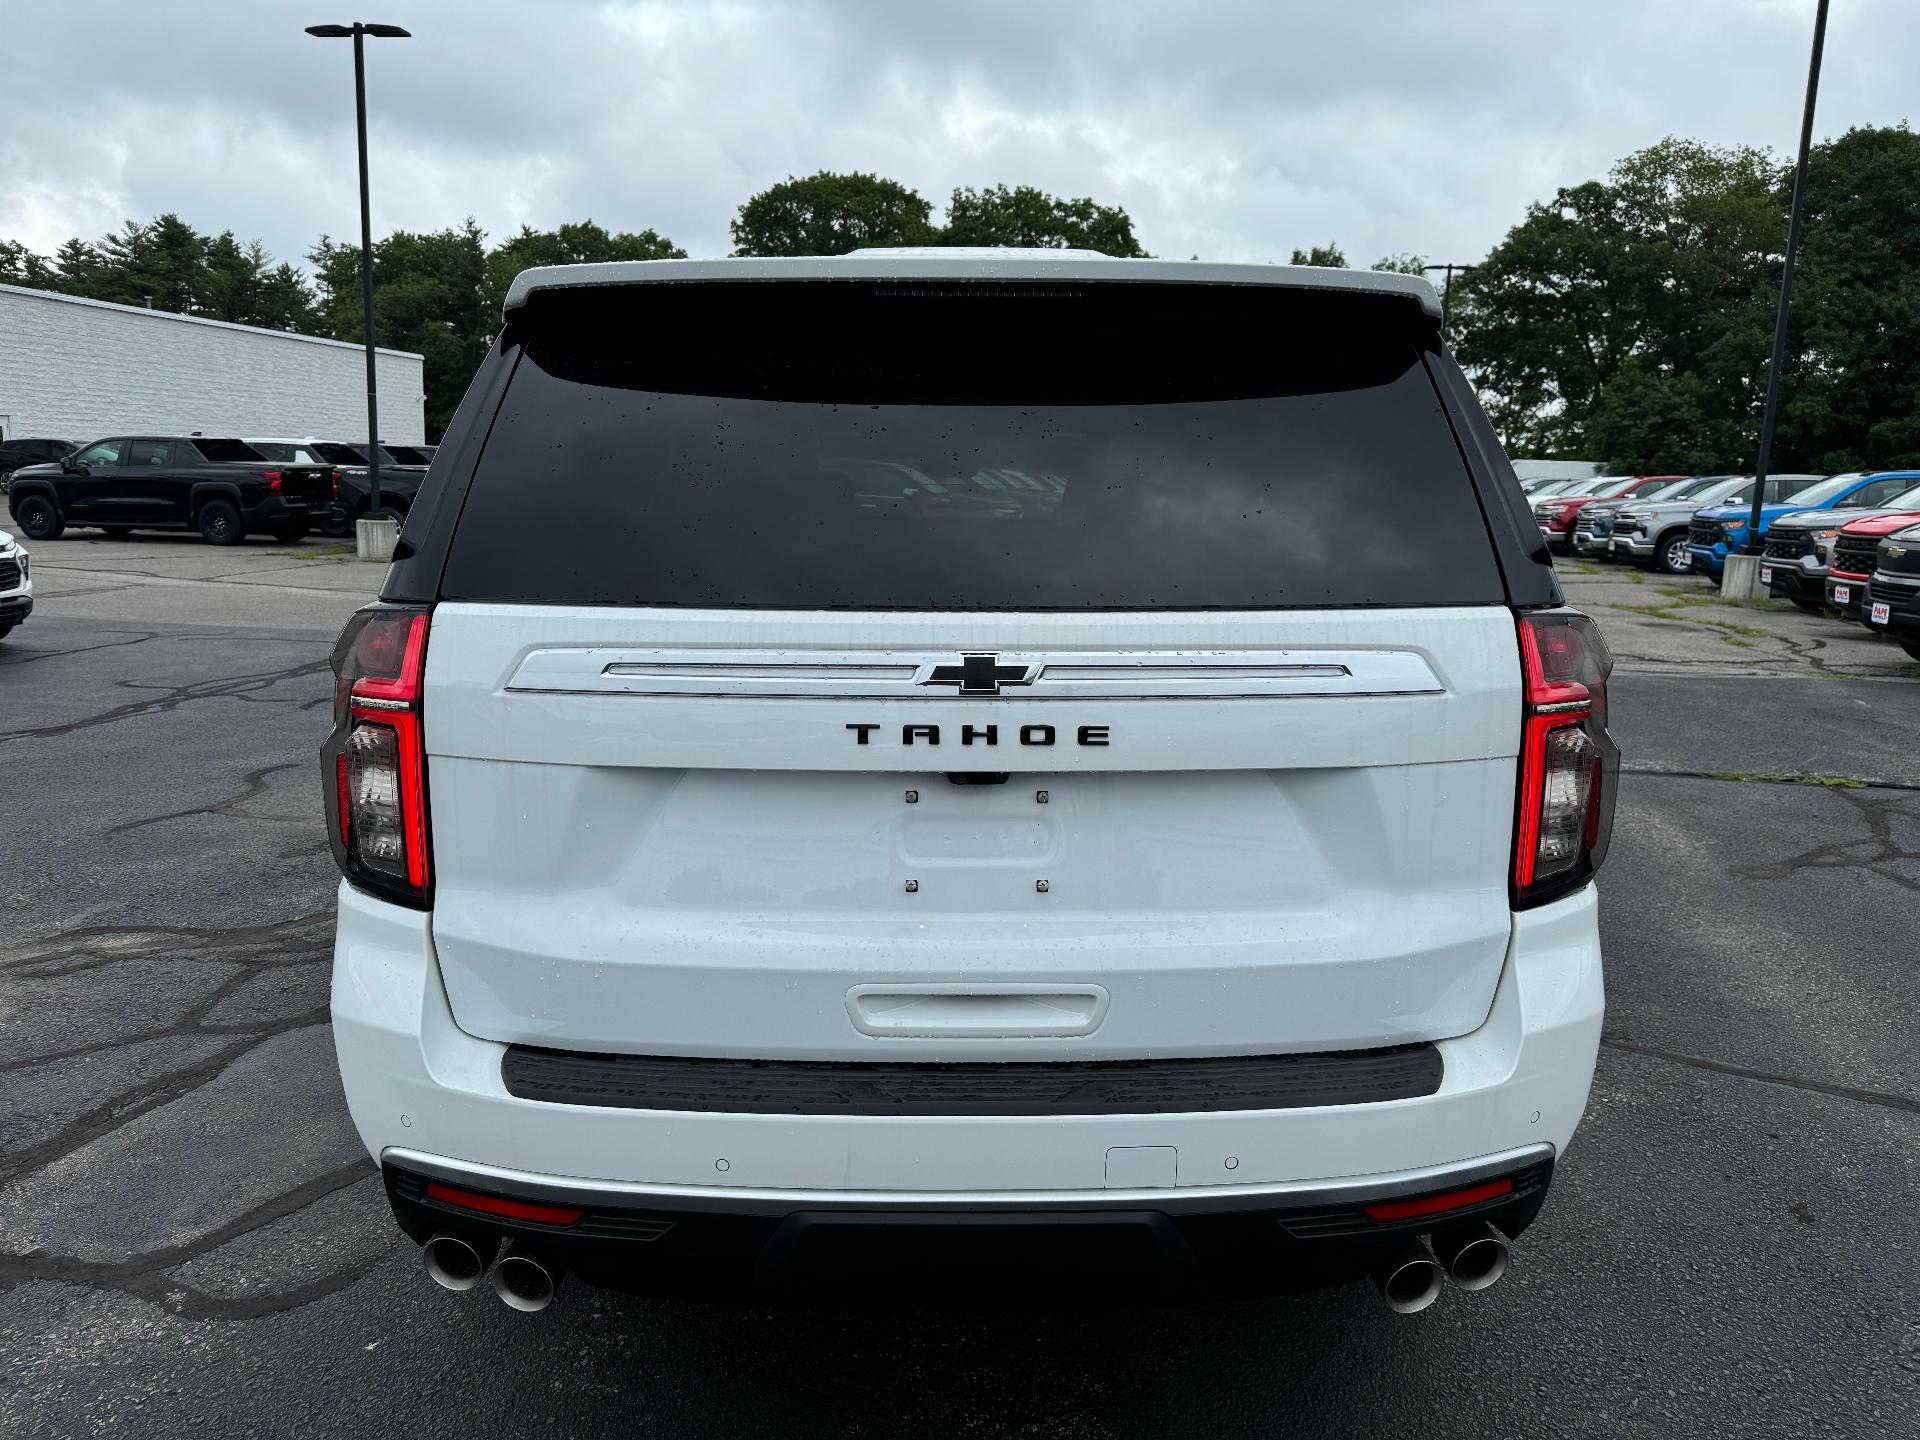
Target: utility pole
x,y
358,32
1796,216
1446,290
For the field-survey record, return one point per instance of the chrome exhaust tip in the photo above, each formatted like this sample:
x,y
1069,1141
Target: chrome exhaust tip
x,y
1476,1256
455,1263
1408,1277
526,1281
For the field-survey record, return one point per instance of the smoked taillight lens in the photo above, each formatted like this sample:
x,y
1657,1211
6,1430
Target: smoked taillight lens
x,y
1569,764
375,758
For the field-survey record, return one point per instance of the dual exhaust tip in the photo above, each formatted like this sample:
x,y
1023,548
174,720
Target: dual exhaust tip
x,y
1410,1276
523,1279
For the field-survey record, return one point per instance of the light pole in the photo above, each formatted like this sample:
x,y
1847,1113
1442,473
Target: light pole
x,y
357,32
1795,217
1446,292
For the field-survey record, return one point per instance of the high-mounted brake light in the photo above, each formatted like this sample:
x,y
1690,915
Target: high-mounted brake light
x,y
376,755
1568,763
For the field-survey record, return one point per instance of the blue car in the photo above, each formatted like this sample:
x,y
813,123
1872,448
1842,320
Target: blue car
x,y
1724,527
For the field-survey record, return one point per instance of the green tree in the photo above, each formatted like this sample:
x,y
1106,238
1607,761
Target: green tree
x,y
1658,266
573,244
1329,254
1025,216
1850,389
242,284
830,214
1401,264
21,266
429,296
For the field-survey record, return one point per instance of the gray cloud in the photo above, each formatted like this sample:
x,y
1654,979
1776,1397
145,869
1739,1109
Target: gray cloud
x,y
1228,130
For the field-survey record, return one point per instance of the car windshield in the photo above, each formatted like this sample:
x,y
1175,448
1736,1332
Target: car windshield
x,y
336,454
1905,500
1551,487
1686,489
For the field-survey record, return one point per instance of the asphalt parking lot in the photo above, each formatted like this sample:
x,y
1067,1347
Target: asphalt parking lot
x,y
191,1239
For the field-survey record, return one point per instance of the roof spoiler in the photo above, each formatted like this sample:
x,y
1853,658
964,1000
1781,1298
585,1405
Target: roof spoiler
x,y
1044,266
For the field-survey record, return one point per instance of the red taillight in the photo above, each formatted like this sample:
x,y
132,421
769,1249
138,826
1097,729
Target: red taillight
x,y
1564,810
334,477
511,1209
381,837
1439,1204
273,480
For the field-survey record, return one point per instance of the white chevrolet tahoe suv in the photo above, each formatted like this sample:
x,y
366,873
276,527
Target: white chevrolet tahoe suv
x,y
920,773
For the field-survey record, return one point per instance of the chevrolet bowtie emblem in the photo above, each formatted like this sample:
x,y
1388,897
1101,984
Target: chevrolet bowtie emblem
x,y
980,675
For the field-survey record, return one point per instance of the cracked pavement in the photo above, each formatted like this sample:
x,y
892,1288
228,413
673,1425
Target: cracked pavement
x,y
192,1239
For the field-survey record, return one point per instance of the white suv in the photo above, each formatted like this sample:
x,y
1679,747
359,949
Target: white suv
x,y
16,584
919,772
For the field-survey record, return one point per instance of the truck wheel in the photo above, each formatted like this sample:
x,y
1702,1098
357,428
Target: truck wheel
x,y
1912,647
38,518
220,523
289,534
5,630
1812,607
1670,554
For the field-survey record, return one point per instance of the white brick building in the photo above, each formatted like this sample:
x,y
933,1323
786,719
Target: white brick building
x,y
80,370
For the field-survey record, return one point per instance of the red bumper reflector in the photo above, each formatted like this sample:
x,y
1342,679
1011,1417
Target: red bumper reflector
x,y
510,1209
1436,1204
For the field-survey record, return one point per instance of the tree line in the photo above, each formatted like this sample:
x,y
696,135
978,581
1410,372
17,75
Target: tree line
x,y
1626,320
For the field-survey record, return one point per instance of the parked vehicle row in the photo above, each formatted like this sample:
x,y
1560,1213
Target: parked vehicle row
x,y
225,488
1830,542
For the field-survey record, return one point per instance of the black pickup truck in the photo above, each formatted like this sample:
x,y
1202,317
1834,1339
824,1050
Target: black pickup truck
x,y
402,468
225,489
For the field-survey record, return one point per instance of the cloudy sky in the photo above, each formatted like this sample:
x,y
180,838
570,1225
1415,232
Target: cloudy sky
x,y
1228,130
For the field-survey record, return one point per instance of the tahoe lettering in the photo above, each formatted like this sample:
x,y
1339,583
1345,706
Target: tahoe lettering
x,y
1040,735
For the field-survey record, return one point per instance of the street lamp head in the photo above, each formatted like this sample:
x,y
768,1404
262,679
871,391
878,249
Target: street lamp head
x,y
347,32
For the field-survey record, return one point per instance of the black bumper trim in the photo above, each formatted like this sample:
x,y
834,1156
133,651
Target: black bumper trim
x,y
1013,1087
915,1257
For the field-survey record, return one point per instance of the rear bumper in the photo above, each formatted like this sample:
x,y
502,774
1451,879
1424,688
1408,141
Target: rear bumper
x,y
429,1099
277,510
1143,1244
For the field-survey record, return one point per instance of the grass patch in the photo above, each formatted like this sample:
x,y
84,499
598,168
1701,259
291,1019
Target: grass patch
x,y
1830,782
321,552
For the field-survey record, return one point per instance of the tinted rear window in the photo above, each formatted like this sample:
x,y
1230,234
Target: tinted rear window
x,y
227,452
852,446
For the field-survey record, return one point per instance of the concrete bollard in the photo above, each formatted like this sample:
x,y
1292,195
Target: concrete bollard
x,y
1740,580
375,539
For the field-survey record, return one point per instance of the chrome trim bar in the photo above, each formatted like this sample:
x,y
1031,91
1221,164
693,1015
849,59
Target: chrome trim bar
x,y
742,1200
911,675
